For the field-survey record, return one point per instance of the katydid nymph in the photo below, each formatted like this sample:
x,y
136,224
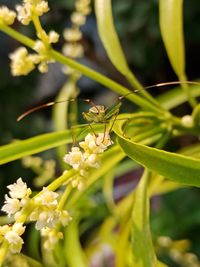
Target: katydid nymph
x,y
98,114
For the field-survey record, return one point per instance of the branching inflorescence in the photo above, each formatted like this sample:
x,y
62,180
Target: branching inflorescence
x,y
51,208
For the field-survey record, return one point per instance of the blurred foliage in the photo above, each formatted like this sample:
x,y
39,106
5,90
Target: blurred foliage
x,y
177,214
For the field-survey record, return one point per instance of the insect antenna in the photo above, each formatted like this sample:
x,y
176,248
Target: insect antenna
x,y
49,104
159,85
26,113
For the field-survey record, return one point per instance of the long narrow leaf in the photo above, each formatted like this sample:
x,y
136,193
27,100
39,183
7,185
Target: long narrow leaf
x,y
171,25
40,143
179,168
142,251
108,35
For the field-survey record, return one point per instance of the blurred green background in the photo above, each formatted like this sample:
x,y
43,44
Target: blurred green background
x,y
177,214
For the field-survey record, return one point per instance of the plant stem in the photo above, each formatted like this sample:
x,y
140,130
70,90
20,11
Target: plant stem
x,y
105,81
17,36
185,88
61,180
40,32
3,251
143,103
64,197
137,85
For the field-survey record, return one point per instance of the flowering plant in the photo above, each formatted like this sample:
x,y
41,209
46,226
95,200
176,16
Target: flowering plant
x,y
63,203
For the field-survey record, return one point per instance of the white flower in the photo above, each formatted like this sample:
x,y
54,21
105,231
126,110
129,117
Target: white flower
x,y
75,158
104,139
40,47
53,37
7,16
52,237
83,7
44,218
64,217
79,182
21,62
96,144
73,50
47,219
3,230
46,198
78,18
46,213
24,14
93,145
92,160
72,35
187,121
19,189
11,206
18,228
13,237
29,8
43,67
42,8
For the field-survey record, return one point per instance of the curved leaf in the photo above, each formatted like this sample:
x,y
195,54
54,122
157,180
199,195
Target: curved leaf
x,y
179,168
108,35
110,40
142,251
19,149
75,256
171,25
176,96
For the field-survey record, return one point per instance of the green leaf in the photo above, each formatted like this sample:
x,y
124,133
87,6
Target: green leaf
x,y
179,168
110,40
28,260
176,96
73,250
108,35
61,113
142,246
19,149
171,25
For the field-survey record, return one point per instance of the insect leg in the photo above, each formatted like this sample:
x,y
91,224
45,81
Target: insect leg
x,y
92,129
104,133
75,137
114,120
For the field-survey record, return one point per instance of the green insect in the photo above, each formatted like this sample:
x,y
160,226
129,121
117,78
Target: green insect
x,y
98,113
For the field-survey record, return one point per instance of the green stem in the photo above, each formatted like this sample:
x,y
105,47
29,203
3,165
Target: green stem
x,y
17,36
64,197
121,90
40,32
3,251
86,71
137,85
185,88
61,180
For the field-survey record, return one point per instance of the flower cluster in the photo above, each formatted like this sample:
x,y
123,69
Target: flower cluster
x,y
23,63
7,16
29,8
52,237
12,235
42,209
46,212
87,158
44,169
18,198
73,35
